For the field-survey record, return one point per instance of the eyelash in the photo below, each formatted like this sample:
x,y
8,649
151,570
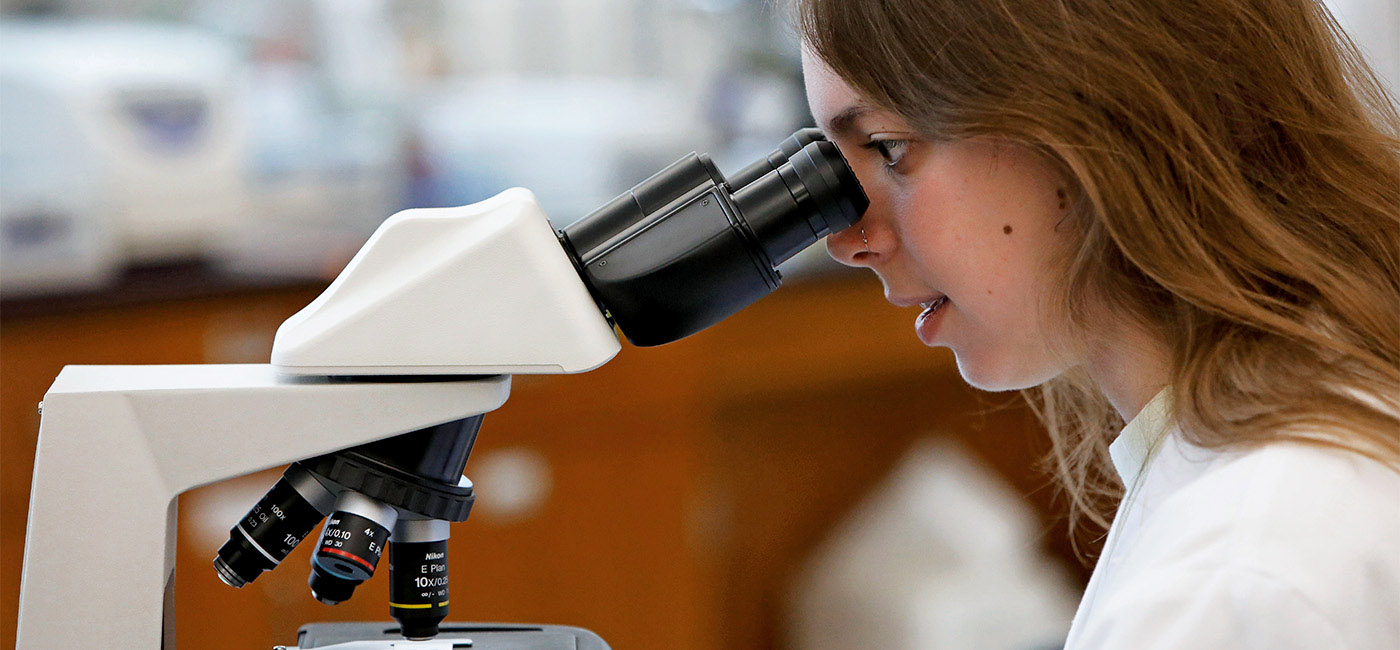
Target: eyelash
x,y
884,149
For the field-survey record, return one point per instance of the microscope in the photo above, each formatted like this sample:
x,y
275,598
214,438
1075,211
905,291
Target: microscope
x,y
375,394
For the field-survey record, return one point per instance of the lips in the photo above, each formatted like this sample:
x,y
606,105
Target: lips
x,y
931,306
923,301
927,324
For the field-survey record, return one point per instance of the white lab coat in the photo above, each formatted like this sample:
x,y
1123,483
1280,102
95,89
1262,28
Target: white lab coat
x,y
1277,547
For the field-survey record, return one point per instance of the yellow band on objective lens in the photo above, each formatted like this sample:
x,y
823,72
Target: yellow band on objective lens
x,y
423,606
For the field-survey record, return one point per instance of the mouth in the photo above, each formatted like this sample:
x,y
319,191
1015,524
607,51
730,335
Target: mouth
x,y
927,324
933,305
925,303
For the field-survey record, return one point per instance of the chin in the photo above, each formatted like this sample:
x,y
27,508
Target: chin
x,y
1004,374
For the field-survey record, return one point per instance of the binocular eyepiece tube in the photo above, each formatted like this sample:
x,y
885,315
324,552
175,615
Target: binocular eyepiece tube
x,y
687,247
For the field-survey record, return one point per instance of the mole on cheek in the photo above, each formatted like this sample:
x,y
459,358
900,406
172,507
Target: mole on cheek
x,y
1006,229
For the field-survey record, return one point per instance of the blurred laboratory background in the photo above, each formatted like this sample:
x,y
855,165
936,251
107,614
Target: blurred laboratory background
x,y
179,176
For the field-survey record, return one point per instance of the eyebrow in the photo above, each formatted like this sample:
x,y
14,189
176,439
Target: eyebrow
x,y
844,121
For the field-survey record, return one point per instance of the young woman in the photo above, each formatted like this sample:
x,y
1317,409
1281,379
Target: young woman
x,y
1179,223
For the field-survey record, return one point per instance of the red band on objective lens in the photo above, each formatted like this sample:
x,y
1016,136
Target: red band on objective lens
x,y
356,558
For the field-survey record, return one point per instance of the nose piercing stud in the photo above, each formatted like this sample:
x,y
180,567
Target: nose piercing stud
x,y
863,240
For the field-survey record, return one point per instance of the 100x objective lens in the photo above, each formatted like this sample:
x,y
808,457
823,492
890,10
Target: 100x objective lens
x,y
272,528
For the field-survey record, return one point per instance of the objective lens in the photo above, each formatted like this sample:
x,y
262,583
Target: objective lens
x,y
347,555
418,587
350,546
418,577
330,589
272,528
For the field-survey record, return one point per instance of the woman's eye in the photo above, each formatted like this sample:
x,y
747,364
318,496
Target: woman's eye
x,y
891,150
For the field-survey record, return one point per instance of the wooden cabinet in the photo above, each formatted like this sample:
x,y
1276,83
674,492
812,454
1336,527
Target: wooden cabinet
x,y
684,484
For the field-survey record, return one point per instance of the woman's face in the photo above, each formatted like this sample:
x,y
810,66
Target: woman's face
x,y
965,231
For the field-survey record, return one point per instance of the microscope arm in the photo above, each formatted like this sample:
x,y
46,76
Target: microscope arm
x,y
117,444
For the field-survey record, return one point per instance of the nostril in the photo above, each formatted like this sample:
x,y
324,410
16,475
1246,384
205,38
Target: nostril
x,y
849,253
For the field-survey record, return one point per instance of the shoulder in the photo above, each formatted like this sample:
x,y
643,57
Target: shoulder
x,y
1161,607
1285,502
1280,534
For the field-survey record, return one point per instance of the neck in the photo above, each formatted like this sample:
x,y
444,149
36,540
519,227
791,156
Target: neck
x,y
1131,370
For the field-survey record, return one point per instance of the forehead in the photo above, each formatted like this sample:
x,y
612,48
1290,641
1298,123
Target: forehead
x,y
834,104
827,93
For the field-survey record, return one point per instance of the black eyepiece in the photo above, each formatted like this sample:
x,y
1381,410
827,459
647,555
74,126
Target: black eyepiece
x,y
837,195
786,150
685,248
810,196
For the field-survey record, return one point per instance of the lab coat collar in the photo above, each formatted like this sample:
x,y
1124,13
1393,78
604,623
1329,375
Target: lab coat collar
x,y
1133,447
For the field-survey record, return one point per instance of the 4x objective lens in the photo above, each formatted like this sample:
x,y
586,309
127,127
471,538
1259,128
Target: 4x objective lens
x,y
351,543
272,528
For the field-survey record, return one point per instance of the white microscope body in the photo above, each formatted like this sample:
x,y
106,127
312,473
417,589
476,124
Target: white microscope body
x,y
417,335
462,295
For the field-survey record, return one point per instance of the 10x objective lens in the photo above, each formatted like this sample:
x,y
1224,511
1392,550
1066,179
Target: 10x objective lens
x,y
272,528
418,584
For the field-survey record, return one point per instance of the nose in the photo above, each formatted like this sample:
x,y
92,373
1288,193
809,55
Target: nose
x,y
853,246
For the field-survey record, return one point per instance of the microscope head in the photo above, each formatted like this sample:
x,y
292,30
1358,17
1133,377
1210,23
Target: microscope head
x,y
481,289
493,288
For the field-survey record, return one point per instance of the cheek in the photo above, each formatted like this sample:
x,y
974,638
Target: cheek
x,y
1016,339
957,239
985,233
1005,339
1019,273
1002,225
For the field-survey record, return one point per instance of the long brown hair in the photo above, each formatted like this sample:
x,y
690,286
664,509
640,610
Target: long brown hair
x,y
1236,170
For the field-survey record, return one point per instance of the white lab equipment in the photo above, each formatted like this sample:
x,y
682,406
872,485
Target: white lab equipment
x,y
53,234
131,133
